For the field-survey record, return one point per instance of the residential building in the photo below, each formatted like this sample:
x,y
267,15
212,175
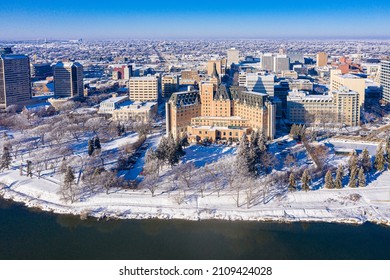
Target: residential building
x,y
68,79
169,85
351,81
338,107
143,88
385,80
15,83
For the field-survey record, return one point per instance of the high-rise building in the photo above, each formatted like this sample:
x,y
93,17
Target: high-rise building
x,y
281,63
322,59
143,88
385,80
169,85
353,82
68,79
267,61
15,83
233,56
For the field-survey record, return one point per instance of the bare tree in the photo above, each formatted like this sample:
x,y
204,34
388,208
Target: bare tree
x,y
185,174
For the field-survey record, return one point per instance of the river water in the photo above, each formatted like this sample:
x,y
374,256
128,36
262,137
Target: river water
x,y
27,234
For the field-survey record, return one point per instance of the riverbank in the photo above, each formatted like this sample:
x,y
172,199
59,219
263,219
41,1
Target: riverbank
x,y
347,205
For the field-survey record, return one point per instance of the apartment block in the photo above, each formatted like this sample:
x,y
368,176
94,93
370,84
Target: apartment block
x,y
143,88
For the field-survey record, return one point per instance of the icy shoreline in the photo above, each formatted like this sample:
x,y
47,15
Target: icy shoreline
x,y
332,206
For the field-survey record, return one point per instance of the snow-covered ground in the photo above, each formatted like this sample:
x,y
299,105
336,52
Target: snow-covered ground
x,y
347,205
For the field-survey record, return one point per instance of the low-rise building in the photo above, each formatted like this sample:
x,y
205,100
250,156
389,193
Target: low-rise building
x,y
109,105
137,111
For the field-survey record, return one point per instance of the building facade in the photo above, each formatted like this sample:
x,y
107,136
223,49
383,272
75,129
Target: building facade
x,y
353,82
338,107
68,79
143,88
15,83
169,85
137,111
322,59
258,82
233,56
385,80
219,113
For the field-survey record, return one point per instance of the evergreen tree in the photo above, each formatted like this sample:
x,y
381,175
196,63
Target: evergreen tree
x,y
361,178
90,147
262,142
6,158
352,178
366,160
339,177
162,149
379,159
67,189
329,184
306,180
387,151
96,143
242,163
292,185
353,161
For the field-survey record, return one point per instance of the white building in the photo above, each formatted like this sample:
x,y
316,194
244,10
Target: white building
x,y
281,63
137,111
258,83
233,56
108,106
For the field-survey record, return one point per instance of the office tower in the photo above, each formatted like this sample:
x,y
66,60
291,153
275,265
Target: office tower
x,y
169,85
41,71
267,62
210,66
233,56
353,82
15,84
143,88
68,79
281,63
322,59
385,80
259,83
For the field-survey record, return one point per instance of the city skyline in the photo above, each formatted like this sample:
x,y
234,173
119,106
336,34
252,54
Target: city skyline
x,y
205,20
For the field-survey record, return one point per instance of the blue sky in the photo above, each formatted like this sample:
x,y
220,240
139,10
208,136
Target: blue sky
x,y
193,19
